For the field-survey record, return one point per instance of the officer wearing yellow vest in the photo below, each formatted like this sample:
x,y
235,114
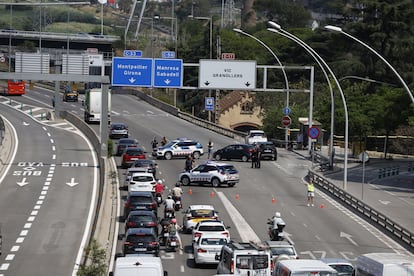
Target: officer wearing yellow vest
x,y
311,192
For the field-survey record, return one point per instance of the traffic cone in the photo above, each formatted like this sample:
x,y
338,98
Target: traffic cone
x,y
322,206
273,200
190,192
237,196
212,194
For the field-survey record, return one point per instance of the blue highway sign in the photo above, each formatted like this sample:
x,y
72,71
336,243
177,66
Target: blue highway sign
x,y
209,104
168,54
132,53
168,73
132,72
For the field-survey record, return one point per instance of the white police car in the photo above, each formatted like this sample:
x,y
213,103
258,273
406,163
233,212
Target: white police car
x,y
211,172
180,148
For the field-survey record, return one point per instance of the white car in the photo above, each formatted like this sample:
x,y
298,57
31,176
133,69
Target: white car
x,y
131,171
211,172
210,227
141,182
196,213
182,147
207,247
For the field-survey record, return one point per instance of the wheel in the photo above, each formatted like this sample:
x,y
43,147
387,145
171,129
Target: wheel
x,y
185,180
245,158
232,184
215,182
196,155
218,157
168,155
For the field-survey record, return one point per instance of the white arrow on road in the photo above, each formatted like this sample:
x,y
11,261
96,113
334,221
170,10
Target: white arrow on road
x,y
348,237
385,202
22,183
132,80
72,182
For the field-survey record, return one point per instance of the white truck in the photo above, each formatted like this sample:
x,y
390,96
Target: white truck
x,y
256,136
93,105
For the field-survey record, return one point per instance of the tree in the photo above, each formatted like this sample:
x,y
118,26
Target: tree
x,y
95,264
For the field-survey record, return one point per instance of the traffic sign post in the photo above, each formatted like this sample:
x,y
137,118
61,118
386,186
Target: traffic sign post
x,y
168,73
286,121
168,54
314,132
131,72
209,104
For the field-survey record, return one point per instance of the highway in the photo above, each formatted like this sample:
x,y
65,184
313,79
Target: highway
x,y
326,230
45,198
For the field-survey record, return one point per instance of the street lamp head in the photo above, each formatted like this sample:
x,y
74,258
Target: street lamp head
x,y
273,30
274,25
237,30
333,28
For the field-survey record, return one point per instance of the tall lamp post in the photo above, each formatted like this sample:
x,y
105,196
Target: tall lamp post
x,y
283,71
331,155
278,29
339,30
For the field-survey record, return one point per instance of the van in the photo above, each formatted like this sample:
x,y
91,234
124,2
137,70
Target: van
x,y
242,258
384,264
303,267
138,265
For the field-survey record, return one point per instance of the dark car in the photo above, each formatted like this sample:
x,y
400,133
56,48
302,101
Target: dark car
x,y
235,151
148,164
139,201
141,240
123,143
141,219
268,150
70,95
118,130
130,155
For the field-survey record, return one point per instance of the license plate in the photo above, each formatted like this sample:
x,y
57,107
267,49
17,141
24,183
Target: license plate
x,y
140,249
173,243
267,151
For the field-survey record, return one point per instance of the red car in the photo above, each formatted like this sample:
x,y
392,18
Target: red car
x,y
130,155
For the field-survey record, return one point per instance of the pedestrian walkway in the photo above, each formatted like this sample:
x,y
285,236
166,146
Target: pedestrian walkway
x,y
386,185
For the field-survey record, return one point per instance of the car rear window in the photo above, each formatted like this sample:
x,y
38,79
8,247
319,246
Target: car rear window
x,y
134,152
141,218
142,178
211,228
202,213
228,169
213,241
252,261
129,141
140,238
282,250
140,199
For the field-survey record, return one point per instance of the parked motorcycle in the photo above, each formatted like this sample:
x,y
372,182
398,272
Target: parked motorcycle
x,y
276,226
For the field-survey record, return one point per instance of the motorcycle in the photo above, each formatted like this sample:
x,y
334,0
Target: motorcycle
x,y
169,213
158,199
164,230
172,242
178,205
276,227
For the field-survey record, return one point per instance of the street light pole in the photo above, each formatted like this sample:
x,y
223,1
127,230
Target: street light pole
x,y
339,30
304,46
283,71
280,30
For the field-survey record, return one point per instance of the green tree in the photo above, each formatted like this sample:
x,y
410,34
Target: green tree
x,y
95,261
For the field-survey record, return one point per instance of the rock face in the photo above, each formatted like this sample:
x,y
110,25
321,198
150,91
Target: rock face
x,y
248,14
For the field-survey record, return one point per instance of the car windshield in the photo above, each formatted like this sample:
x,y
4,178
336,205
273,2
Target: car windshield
x,y
202,213
170,144
282,250
143,163
142,178
127,141
252,261
118,127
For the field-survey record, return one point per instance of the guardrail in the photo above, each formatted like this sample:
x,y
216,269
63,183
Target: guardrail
x,y
387,225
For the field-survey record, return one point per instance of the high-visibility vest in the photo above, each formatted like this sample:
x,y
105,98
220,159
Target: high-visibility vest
x,y
311,188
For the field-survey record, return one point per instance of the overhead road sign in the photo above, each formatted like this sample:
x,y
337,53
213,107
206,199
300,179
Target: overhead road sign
x,y
168,73
132,71
227,74
132,53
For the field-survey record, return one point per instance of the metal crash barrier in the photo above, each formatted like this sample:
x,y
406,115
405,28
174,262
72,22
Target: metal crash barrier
x,y
385,224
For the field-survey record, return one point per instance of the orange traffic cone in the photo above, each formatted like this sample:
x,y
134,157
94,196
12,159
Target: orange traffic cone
x,y
273,200
190,192
322,206
237,196
212,194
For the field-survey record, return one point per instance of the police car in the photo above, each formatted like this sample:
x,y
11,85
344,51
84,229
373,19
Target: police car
x,y
211,172
181,147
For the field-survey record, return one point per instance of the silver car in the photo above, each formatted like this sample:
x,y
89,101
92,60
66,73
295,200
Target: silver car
x,y
207,247
118,130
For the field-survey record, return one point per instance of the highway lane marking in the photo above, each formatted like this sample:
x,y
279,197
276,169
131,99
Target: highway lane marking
x,y
245,231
